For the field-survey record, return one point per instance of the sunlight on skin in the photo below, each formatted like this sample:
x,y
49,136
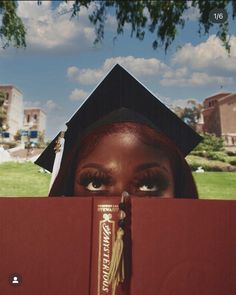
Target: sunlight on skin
x,y
121,162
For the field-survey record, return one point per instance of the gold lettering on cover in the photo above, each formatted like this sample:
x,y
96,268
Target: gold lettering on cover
x,y
106,240
107,208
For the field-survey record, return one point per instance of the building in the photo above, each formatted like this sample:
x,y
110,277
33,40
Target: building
x,y
34,120
14,109
219,113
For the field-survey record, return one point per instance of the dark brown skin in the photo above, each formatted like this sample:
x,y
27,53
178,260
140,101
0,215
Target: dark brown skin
x,y
121,162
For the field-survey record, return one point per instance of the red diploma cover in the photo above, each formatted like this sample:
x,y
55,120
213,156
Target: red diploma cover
x,y
62,246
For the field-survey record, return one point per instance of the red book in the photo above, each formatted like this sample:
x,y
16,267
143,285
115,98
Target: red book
x,y
47,242
63,246
182,247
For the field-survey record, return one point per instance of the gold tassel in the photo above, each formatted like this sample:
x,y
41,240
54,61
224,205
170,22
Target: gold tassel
x,y
117,270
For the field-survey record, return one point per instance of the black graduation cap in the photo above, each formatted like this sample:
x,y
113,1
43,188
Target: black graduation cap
x,y
120,91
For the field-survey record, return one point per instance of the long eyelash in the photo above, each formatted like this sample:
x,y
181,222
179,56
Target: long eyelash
x,y
88,176
154,177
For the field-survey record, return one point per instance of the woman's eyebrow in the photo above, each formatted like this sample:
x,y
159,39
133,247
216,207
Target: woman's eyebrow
x,y
96,166
150,165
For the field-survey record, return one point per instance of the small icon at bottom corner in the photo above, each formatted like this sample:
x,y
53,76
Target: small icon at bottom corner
x,y
15,279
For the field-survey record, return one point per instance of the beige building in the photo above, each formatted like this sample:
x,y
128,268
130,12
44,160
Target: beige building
x,y
14,108
34,119
219,115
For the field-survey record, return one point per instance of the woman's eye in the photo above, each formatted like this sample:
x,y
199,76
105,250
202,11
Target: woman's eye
x,y
95,186
94,181
148,188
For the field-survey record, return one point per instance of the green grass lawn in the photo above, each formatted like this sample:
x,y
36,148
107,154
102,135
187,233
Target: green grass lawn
x,y
24,179
216,185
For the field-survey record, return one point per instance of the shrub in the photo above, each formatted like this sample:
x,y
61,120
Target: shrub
x,y
199,153
232,162
210,142
8,145
230,153
219,156
208,165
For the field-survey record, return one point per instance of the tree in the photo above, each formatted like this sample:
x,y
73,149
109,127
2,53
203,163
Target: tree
x,y
210,143
17,136
12,30
191,113
162,18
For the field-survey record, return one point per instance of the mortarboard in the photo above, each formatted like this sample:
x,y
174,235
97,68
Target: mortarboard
x,y
121,97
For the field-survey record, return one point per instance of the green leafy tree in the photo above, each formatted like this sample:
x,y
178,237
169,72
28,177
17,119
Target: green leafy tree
x,y
210,143
17,136
12,30
191,113
162,18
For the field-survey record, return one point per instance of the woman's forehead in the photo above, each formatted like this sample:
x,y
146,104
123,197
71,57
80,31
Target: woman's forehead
x,y
126,148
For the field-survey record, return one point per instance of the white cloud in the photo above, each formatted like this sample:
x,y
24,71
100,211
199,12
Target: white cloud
x,y
49,28
172,103
72,72
85,76
192,66
50,105
204,64
178,73
207,55
183,76
140,67
78,94
197,79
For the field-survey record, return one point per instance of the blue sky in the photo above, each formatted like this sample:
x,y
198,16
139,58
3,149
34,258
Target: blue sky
x,y
61,66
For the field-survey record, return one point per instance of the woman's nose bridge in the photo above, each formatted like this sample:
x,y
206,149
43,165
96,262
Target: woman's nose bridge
x,y
120,187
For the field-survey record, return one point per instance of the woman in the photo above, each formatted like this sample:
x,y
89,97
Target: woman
x,y
124,139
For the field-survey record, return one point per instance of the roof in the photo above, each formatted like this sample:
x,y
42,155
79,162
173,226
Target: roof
x,y
217,96
34,109
11,87
231,96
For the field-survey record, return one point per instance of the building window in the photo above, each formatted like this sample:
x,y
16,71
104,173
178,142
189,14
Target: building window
x,y
28,118
226,139
7,98
35,117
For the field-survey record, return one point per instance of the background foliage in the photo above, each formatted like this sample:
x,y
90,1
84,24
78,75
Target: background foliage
x,y
210,142
191,113
164,19
12,30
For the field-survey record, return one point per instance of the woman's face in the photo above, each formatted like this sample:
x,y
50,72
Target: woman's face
x,y
121,162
